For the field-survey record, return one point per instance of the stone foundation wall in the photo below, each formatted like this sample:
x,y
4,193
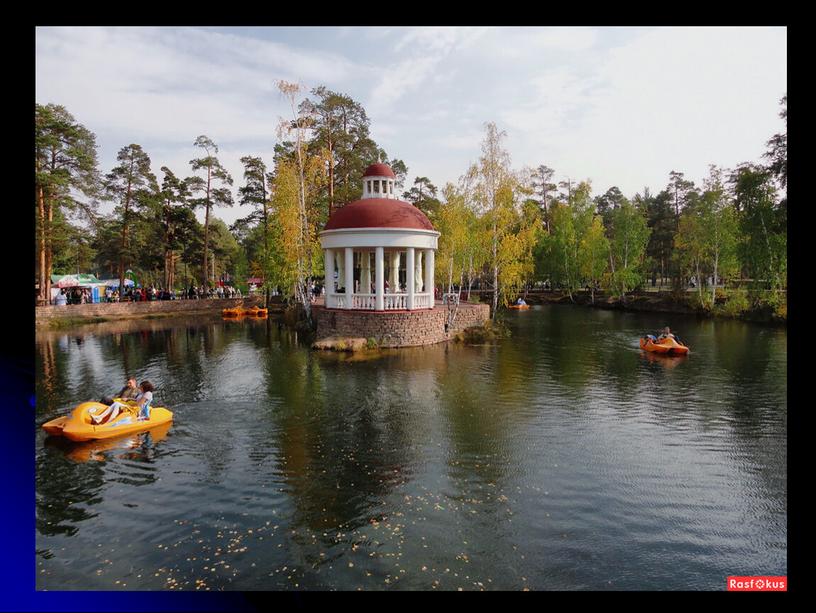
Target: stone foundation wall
x,y
398,328
117,310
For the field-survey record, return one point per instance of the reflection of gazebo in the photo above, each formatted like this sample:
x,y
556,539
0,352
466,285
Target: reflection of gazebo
x,y
378,232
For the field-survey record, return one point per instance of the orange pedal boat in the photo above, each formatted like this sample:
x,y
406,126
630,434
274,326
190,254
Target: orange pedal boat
x,y
666,346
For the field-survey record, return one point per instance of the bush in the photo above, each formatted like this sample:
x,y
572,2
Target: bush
x,y
721,296
488,331
736,303
371,343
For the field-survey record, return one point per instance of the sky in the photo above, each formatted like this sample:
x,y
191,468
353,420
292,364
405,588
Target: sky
x,y
617,106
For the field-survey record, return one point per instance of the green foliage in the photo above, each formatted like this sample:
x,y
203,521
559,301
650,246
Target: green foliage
x,y
423,196
736,303
65,168
629,237
777,153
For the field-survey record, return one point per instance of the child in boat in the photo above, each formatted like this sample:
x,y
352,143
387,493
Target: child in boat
x,y
144,399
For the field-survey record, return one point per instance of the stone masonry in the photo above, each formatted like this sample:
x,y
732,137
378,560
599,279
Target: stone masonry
x,y
398,328
116,310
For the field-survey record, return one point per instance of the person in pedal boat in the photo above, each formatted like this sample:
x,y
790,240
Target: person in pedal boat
x,y
521,302
143,400
129,392
667,333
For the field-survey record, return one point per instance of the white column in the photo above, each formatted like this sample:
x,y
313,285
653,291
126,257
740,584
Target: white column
x,y
409,276
393,279
365,272
429,273
379,278
339,262
328,264
419,279
349,276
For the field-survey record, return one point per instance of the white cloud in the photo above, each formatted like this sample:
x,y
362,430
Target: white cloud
x,y
618,105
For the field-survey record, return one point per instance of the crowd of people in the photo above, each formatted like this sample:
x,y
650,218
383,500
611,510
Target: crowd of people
x,y
77,295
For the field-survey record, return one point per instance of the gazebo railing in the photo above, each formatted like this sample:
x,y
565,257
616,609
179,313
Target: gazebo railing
x,y
368,302
364,301
423,301
394,302
336,301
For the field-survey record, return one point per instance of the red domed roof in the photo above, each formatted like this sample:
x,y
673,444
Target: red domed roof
x,y
378,213
379,170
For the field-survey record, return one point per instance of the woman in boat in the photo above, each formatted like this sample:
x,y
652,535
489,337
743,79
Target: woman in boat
x,y
143,400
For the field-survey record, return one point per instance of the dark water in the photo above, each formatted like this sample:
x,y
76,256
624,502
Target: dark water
x,y
562,458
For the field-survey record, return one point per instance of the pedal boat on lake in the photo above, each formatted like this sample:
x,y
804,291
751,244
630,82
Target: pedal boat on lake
x,y
78,426
519,307
666,346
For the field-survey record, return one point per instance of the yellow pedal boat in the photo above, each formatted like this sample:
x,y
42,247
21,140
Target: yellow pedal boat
x,y
78,426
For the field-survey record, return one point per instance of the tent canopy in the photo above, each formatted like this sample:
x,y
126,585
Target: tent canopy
x,y
115,282
81,280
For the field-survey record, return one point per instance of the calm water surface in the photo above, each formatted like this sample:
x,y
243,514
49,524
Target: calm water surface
x,y
562,458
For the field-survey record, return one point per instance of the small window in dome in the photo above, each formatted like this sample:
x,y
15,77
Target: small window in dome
x,y
369,186
376,187
391,187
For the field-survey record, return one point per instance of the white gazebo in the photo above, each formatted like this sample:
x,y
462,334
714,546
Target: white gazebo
x,y
379,251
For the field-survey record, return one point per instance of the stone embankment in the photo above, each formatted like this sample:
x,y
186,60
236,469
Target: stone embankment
x,y
52,315
393,328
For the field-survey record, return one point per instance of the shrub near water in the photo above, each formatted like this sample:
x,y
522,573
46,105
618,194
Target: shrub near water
x,y
488,331
735,304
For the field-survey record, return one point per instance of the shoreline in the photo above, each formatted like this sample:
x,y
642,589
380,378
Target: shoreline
x,y
648,303
65,317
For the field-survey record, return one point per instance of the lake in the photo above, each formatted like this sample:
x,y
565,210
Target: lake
x,y
562,458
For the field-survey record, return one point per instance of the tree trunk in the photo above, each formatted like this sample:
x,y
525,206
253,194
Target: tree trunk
x,y
207,227
266,246
45,290
470,275
714,278
495,268
49,249
331,178
125,232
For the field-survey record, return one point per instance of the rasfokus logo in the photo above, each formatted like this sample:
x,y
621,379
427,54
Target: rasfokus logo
x,y
757,584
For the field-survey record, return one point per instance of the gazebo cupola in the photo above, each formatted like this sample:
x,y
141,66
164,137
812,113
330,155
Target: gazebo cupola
x,y
379,251
378,182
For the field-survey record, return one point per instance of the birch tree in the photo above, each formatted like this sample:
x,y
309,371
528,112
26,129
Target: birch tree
x,y
630,236
299,178
492,193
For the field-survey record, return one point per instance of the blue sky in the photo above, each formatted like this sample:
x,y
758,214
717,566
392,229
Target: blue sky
x,y
619,106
